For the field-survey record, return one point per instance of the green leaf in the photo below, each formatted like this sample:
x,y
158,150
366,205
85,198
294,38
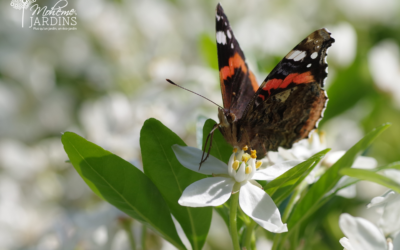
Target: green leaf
x,y
311,201
171,178
220,148
393,165
121,184
281,187
368,175
200,121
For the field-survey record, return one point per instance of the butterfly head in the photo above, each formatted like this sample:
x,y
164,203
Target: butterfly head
x,y
226,117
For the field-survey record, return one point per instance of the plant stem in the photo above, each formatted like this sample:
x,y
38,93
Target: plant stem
x,y
293,200
233,219
144,235
249,234
288,210
277,239
127,226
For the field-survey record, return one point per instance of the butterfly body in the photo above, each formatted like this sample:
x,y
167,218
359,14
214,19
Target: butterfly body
x,y
286,107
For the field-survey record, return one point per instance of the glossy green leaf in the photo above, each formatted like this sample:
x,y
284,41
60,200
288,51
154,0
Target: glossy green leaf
x,y
393,165
171,178
281,187
200,121
121,184
369,175
311,201
220,148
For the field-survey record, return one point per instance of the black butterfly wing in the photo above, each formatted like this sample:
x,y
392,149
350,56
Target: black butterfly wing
x,y
291,100
238,84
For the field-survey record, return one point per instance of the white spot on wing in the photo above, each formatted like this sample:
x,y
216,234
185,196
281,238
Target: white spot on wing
x,y
221,38
296,55
228,33
292,54
314,55
232,45
218,17
226,24
309,65
326,55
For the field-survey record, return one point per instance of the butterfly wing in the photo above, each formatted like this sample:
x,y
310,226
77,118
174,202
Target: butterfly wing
x,y
238,84
291,100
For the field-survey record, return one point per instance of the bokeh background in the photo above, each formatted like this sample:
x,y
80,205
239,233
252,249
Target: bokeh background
x,y
106,78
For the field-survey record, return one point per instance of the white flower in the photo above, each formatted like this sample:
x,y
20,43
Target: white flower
x,y
240,174
362,162
362,235
304,149
389,208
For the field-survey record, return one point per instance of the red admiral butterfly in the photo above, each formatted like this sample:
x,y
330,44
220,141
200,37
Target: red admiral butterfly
x,y
285,108
289,103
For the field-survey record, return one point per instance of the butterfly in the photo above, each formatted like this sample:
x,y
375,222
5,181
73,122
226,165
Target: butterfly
x,y
286,107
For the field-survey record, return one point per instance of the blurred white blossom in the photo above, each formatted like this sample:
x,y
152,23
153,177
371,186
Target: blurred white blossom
x,y
384,64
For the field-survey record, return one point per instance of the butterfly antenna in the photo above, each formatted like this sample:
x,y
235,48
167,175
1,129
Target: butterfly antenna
x,y
168,80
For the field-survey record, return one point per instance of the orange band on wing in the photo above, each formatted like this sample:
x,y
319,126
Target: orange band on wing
x,y
235,61
272,84
306,77
253,80
297,78
288,80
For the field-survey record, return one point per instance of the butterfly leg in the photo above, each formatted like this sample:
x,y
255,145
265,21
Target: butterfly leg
x,y
209,136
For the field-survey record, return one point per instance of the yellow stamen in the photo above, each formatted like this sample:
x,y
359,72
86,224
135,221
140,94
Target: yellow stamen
x,y
248,170
235,165
245,157
258,164
322,136
235,150
245,148
253,154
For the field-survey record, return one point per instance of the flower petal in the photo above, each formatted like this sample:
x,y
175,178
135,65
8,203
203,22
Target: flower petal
x,y
396,241
383,199
346,244
255,183
390,221
365,162
261,208
361,233
241,173
393,174
231,171
347,192
212,191
332,157
190,158
274,171
286,154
